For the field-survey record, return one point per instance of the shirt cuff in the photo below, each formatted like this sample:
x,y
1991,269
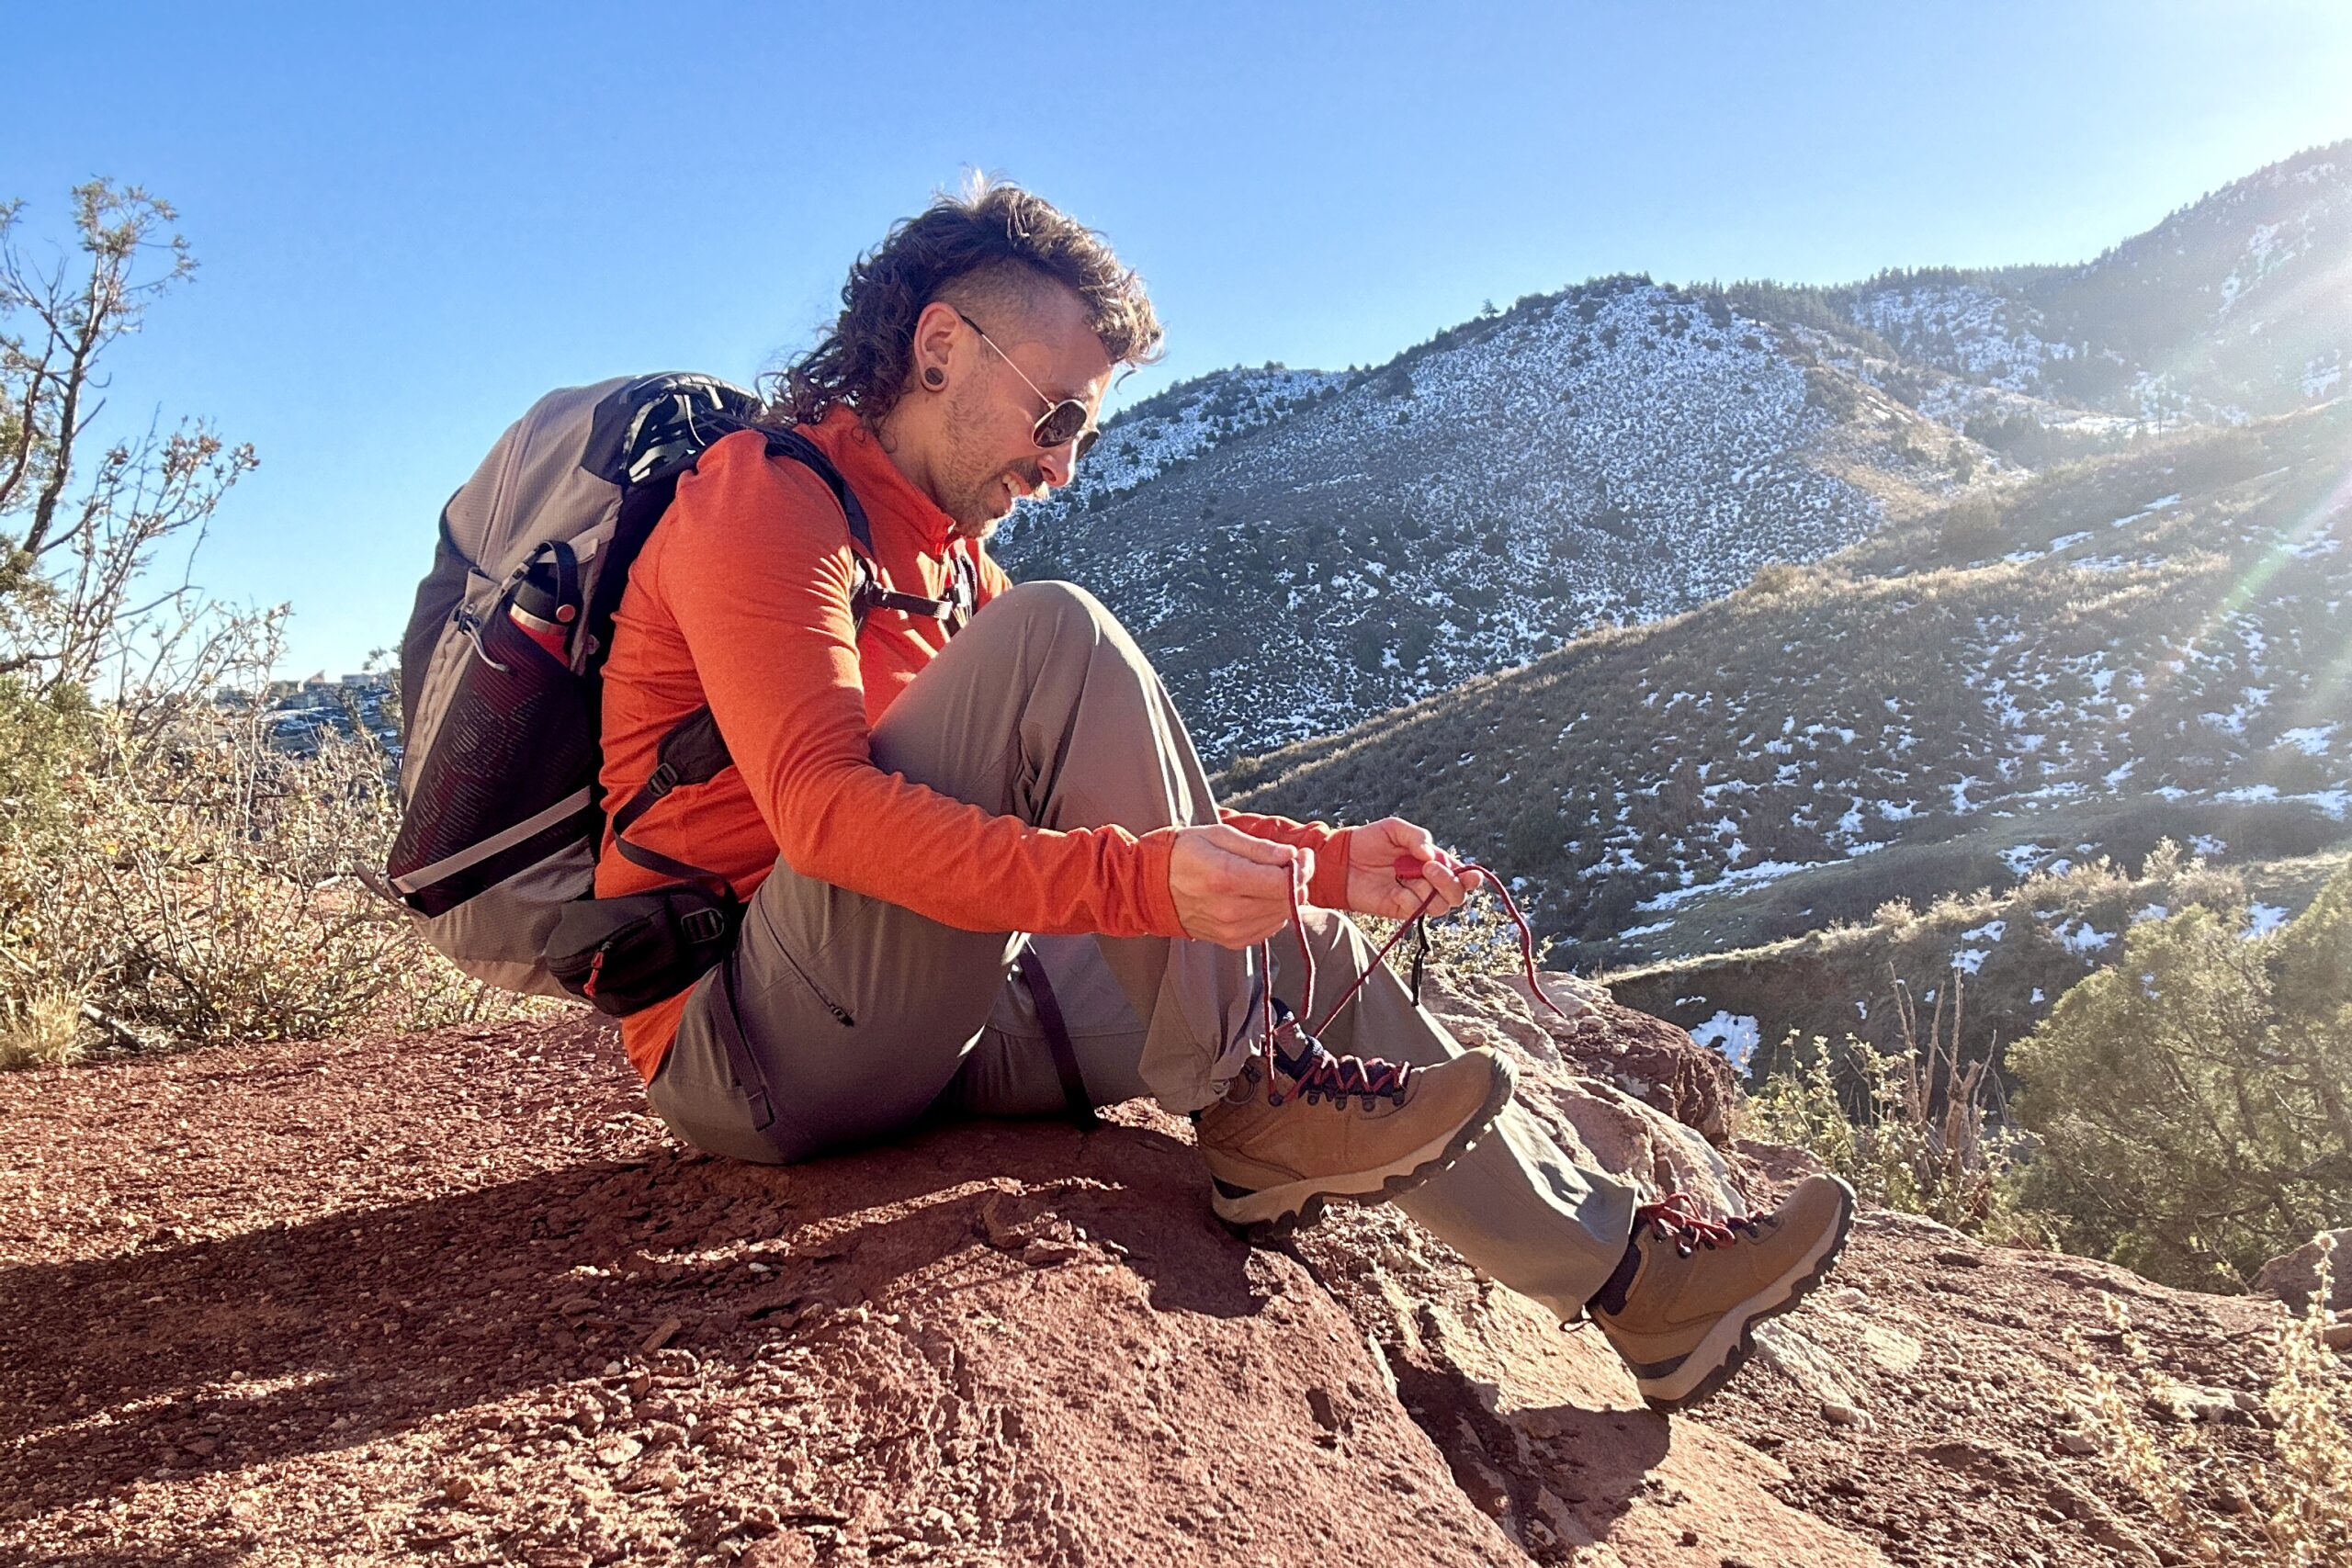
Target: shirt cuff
x,y
1329,889
1153,852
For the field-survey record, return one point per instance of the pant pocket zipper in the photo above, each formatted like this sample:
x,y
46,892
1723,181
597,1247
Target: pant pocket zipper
x,y
840,1014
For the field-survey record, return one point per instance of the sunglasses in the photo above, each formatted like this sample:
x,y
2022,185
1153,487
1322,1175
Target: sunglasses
x,y
1061,421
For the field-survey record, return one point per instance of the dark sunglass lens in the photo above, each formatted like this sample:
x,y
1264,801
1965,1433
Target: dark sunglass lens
x,y
1086,444
1064,420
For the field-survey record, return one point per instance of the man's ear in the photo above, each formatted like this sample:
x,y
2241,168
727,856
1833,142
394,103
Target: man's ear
x,y
935,346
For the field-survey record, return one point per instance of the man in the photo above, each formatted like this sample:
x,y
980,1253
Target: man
x,y
903,807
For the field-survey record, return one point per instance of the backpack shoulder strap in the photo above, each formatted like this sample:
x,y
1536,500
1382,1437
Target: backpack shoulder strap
x,y
693,752
808,454
869,594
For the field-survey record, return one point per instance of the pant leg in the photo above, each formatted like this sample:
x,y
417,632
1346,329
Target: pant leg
x,y
1515,1206
858,1012
1010,1071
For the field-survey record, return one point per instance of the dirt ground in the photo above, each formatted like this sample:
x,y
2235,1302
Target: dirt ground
x,y
455,1298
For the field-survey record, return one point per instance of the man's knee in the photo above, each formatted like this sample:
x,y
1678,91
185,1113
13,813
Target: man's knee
x,y
1056,623
1332,935
1056,606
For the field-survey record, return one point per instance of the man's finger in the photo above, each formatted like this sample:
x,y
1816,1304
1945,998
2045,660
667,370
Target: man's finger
x,y
1244,846
1248,879
1293,868
1247,927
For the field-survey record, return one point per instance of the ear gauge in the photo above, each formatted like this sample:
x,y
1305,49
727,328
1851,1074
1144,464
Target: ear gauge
x,y
934,377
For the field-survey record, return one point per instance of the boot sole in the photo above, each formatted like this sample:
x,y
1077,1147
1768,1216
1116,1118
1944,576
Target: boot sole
x,y
1732,1340
1272,1214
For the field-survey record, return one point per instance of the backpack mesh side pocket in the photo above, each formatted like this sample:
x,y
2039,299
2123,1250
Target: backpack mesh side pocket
x,y
511,776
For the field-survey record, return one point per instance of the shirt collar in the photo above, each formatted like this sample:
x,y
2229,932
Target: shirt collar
x,y
890,499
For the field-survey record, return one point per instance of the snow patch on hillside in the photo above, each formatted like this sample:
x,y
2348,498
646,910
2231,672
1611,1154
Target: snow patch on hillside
x,y
1617,453
1987,336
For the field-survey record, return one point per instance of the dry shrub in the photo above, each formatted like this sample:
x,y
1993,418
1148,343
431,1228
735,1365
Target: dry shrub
x,y
1477,939
165,876
2297,1510
1917,1128
195,886
40,1029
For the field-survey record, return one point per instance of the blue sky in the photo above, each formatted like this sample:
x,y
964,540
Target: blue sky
x,y
412,220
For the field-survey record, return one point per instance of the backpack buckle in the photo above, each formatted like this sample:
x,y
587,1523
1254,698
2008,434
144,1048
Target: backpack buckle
x,y
661,780
703,926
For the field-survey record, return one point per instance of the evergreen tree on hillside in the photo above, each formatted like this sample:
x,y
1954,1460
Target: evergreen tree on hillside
x,y
2192,1101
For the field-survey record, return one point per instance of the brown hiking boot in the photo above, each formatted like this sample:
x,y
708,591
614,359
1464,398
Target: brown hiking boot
x,y
1691,1289
1323,1126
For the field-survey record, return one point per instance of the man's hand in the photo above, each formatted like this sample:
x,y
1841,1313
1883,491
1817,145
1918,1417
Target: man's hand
x,y
1375,886
1232,889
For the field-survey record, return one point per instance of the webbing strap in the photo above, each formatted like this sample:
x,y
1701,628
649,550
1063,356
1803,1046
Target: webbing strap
x,y
743,1063
693,752
910,603
1057,1042
654,860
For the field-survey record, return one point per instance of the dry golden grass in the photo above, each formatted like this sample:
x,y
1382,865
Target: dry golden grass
x,y
1916,1128
2296,1510
202,888
42,1029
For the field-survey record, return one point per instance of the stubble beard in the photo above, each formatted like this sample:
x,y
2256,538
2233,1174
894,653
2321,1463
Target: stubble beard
x,y
976,518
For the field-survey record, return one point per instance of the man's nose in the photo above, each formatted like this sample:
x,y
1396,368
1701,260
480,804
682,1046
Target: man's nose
x,y
1055,463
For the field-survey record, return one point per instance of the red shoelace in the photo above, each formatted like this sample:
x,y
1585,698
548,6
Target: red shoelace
x,y
1680,1221
1348,1075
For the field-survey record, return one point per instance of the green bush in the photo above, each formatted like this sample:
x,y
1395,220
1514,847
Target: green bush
x,y
1971,529
2194,1101
1536,838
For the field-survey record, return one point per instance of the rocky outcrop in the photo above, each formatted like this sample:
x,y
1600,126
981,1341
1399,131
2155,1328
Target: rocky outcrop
x,y
1599,1041
455,1298
2293,1277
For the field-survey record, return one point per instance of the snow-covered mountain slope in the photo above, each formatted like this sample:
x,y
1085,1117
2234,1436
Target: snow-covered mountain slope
x,y
2238,304
1299,550
2167,634
1297,553
1174,427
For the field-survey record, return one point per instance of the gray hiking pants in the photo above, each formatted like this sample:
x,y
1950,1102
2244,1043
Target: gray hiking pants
x,y
863,1016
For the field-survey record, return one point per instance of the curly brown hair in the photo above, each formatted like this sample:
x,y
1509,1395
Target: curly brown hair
x,y
992,241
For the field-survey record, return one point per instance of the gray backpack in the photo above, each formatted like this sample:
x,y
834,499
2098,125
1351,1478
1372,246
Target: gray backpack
x,y
501,698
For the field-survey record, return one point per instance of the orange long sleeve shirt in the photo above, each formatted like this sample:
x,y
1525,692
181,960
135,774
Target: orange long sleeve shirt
x,y
742,599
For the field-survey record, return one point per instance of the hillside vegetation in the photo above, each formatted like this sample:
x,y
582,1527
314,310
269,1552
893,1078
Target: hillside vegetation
x,y
2233,304
2011,952
2158,639
1299,550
